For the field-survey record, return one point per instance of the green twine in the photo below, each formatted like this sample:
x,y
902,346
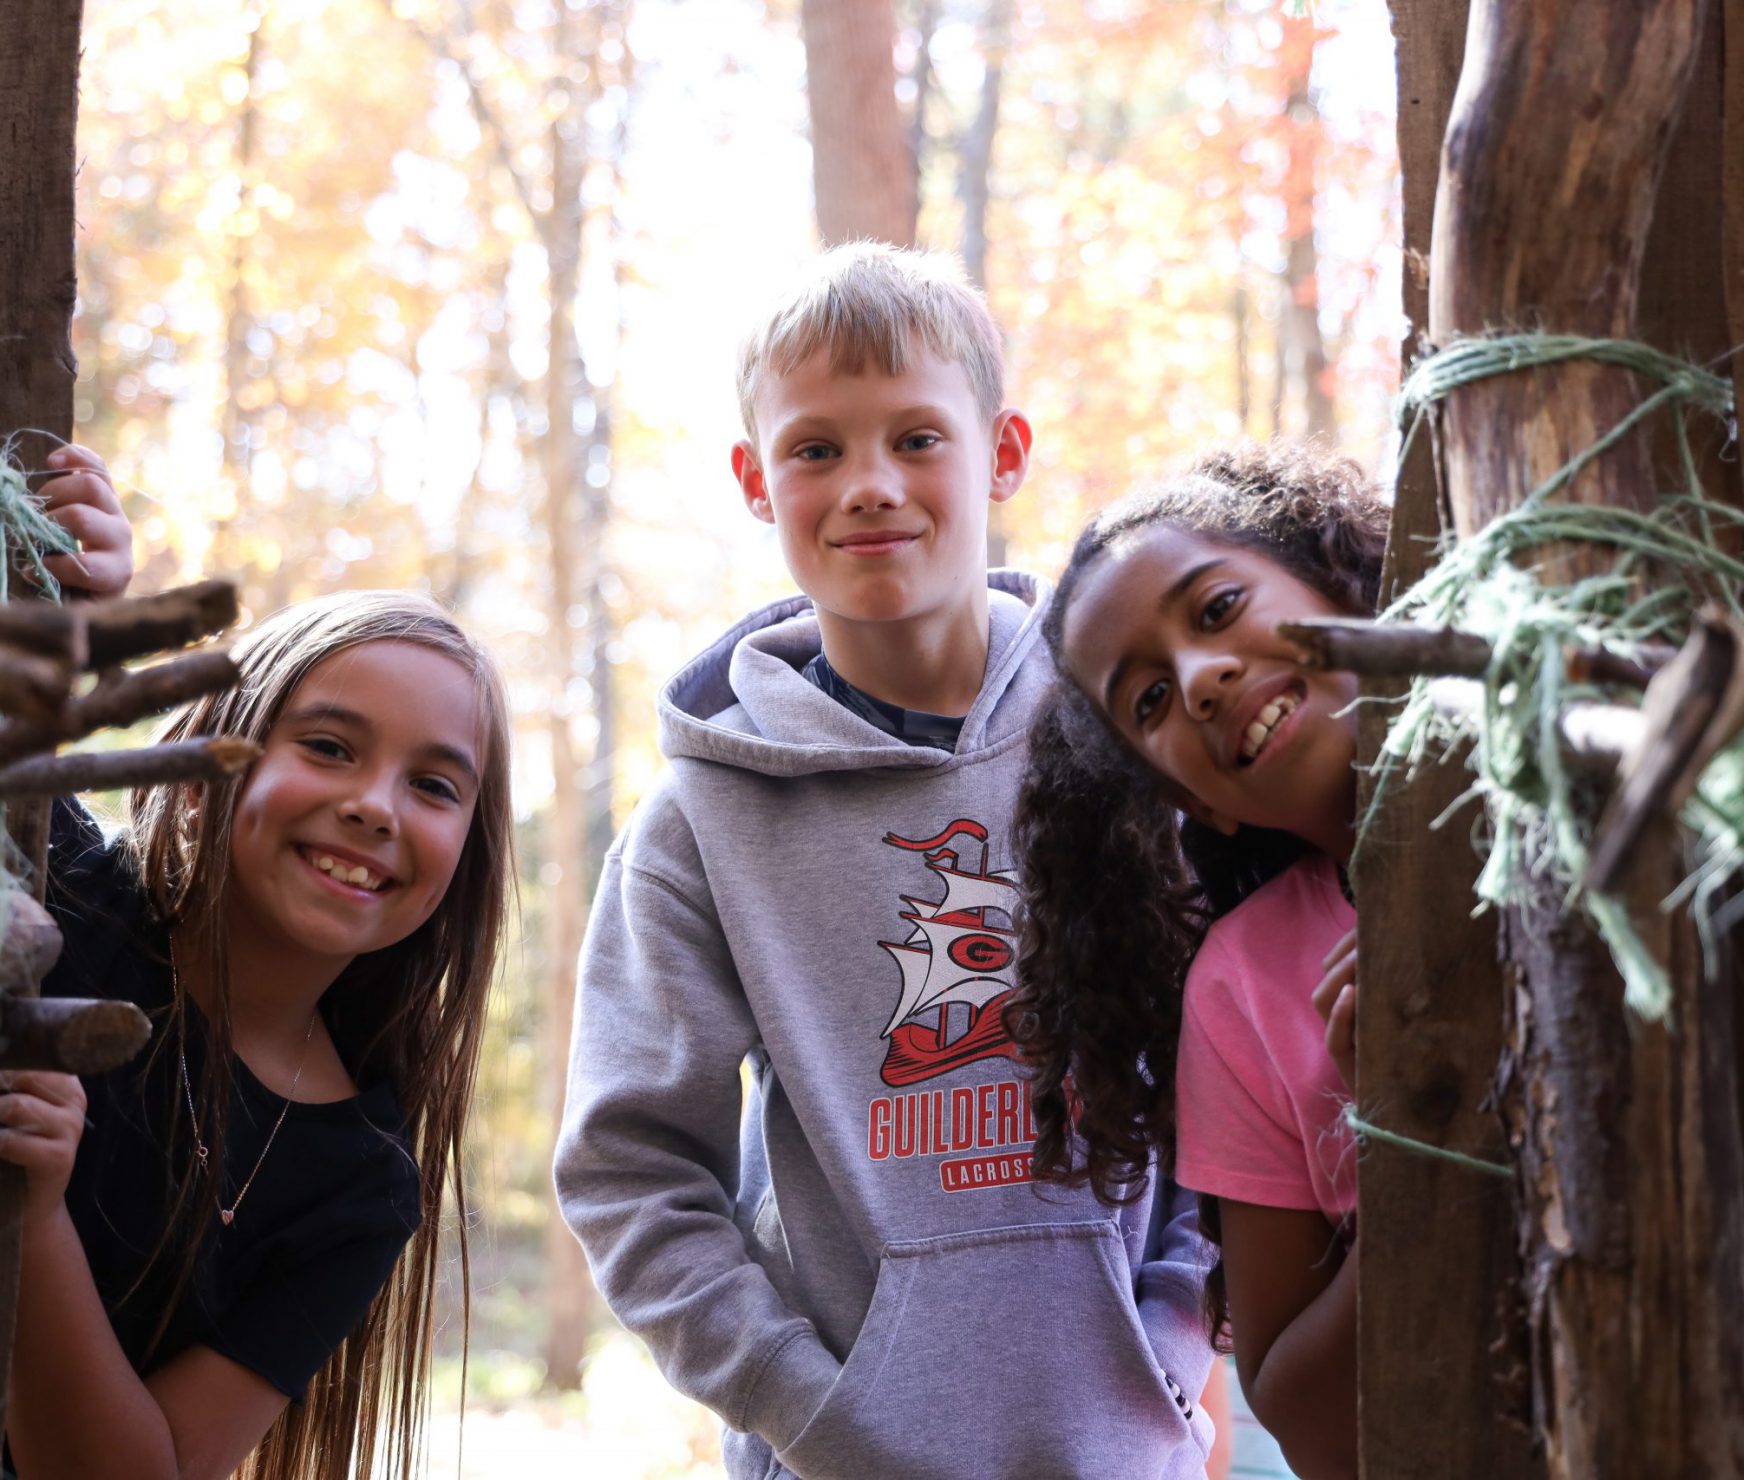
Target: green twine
x,y
26,532
1365,1131
1537,818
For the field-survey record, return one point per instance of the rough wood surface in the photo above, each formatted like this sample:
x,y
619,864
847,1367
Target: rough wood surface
x,y
1386,651
1440,1386
39,108
120,697
70,1035
133,626
1554,155
222,758
30,943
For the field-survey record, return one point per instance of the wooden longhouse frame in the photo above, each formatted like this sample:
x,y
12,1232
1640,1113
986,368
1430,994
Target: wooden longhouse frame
x,y
1587,1320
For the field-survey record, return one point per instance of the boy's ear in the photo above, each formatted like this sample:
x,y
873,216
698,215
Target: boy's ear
x,y
750,475
1011,440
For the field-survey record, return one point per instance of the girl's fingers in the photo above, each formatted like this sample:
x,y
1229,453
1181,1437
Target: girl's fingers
x,y
81,486
1346,946
1342,973
104,564
45,1084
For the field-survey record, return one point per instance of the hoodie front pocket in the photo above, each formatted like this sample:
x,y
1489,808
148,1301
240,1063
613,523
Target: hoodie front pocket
x,y
1010,1352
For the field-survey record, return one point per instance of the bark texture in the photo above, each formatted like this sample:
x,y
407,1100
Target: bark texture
x,y
39,109
1626,1132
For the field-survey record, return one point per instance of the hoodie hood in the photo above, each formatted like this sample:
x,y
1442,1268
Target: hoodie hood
x,y
745,700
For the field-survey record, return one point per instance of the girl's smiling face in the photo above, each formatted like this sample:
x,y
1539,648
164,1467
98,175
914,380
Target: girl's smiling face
x,y
1171,635
348,829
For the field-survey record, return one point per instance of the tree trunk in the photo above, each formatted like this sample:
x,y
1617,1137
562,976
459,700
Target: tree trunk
x,y
565,871
1630,1168
1299,325
975,190
228,548
39,109
862,169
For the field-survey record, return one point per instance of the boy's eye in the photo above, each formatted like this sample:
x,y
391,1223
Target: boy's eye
x,y
1218,608
917,442
1150,700
814,452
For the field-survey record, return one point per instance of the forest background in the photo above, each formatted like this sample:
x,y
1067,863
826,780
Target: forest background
x,y
446,294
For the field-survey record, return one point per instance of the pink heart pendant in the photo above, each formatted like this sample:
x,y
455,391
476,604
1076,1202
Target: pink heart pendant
x,y
227,1216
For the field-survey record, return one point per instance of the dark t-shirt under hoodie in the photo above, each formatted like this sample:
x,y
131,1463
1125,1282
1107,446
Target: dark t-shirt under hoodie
x,y
855,1268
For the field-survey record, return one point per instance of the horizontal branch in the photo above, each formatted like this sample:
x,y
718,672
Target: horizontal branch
x,y
1595,736
45,629
1386,650
120,697
137,625
69,1035
217,759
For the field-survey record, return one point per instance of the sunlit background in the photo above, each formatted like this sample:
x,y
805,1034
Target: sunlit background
x,y
326,247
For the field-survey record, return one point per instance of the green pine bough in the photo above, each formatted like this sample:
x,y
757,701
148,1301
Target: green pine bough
x,y
1537,819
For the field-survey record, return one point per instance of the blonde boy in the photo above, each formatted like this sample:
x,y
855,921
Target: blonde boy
x,y
855,1268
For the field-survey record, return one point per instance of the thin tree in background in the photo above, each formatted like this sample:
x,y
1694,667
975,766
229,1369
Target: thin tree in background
x,y
863,168
1302,348
586,48
240,404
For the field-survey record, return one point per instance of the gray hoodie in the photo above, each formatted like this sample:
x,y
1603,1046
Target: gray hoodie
x,y
796,1145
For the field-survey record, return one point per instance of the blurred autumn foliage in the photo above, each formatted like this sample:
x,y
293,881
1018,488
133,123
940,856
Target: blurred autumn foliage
x,y
444,293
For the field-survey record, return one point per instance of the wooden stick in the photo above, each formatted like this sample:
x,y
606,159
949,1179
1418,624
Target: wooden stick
x,y
1382,650
135,626
48,631
217,759
70,1035
1693,708
1596,736
32,687
120,697
29,944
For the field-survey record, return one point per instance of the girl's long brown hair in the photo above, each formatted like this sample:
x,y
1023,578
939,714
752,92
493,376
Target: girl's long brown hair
x,y
415,1012
1118,889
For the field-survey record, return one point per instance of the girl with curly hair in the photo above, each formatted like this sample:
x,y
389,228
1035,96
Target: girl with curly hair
x,y
1189,999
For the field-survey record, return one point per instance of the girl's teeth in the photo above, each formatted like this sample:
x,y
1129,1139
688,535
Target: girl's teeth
x,y
1257,732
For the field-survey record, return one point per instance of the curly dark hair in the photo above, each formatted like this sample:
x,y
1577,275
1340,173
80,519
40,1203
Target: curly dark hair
x,y
1118,888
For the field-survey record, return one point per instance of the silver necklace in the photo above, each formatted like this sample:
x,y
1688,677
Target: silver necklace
x,y
227,1215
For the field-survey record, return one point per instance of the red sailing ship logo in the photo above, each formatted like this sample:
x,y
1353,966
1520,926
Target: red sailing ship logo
x,y
955,956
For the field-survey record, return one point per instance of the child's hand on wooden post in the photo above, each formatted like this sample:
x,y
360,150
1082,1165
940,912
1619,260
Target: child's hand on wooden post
x,y
1335,1001
42,1117
83,501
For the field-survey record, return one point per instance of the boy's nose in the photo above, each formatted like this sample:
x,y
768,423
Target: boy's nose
x,y
873,484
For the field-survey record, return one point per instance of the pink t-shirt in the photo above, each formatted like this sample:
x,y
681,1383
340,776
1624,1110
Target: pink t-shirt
x,y
1258,1102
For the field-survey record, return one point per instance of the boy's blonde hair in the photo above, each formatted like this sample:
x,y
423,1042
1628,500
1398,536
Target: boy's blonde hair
x,y
868,303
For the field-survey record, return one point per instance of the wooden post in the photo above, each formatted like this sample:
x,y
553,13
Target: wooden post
x,y
1441,1393
39,109
1627,1133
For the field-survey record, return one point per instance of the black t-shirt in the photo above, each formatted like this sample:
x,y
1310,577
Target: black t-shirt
x,y
331,1207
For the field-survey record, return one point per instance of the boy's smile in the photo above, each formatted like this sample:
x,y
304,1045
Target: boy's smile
x,y
879,487
1172,637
